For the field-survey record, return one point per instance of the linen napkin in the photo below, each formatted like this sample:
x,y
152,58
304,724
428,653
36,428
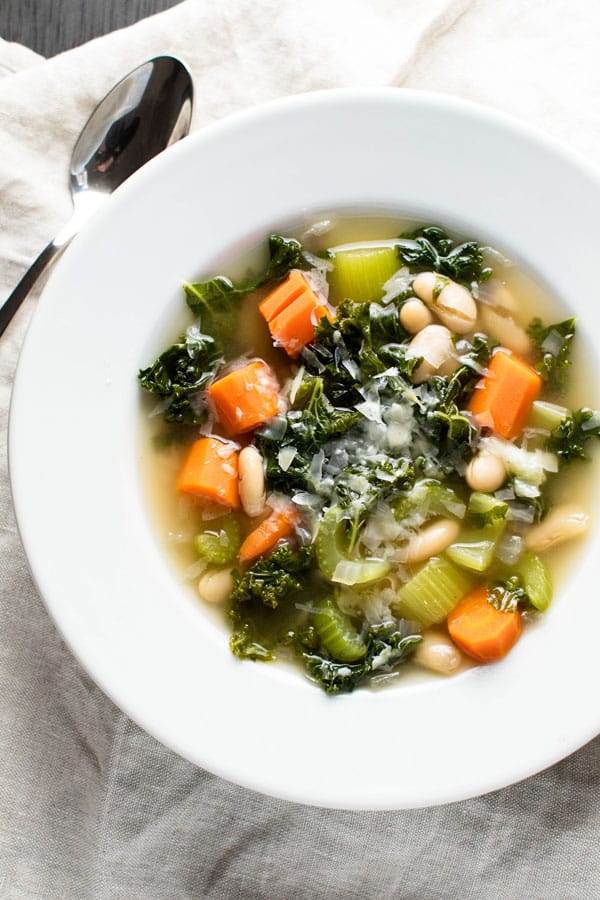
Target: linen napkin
x,y
91,806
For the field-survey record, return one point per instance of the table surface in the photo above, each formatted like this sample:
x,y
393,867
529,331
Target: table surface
x,y
51,26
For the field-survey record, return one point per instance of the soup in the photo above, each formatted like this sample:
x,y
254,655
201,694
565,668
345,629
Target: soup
x,y
365,451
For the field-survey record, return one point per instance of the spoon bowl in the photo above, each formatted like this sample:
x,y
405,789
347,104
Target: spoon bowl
x,y
143,114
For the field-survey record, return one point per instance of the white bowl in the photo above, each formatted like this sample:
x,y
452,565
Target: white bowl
x,y
74,452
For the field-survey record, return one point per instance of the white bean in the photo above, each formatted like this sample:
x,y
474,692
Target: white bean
x,y
216,585
501,296
563,523
450,301
434,344
414,316
504,328
437,653
486,473
432,539
252,481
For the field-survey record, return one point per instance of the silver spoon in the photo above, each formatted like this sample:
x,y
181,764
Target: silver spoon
x,y
143,114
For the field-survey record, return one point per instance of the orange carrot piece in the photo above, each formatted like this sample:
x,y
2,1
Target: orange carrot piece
x,y
279,525
321,311
245,398
286,292
482,631
294,327
504,397
292,312
211,471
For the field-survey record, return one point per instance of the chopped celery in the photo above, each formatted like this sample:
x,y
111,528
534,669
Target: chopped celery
x,y
360,272
536,580
433,592
219,543
332,554
546,416
336,631
430,497
476,547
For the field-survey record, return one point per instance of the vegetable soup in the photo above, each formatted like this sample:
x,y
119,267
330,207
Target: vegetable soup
x,y
371,450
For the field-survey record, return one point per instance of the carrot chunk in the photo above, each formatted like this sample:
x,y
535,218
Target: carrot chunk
x,y
482,631
279,525
245,398
290,288
211,471
504,397
292,312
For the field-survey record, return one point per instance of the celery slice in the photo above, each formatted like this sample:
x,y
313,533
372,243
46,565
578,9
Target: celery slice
x,y
433,592
220,542
336,631
488,506
477,546
546,415
536,580
332,554
360,273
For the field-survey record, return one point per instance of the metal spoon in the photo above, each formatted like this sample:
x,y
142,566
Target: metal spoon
x,y
143,114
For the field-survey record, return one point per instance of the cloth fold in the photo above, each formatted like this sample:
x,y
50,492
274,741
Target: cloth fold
x,y
91,806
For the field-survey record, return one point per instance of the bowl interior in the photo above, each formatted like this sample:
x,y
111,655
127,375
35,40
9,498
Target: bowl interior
x,y
75,458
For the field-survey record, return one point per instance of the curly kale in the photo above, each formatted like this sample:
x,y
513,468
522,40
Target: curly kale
x,y
553,348
388,645
270,580
305,429
569,438
363,484
217,301
431,248
180,373
363,340
261,609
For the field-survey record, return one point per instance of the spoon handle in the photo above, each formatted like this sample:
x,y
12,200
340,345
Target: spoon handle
x,y
15,299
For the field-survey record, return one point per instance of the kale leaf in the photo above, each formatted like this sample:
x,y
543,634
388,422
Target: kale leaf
x,y
553,346
217,301
261,611
305,428
442,421
431,248
271,580
362,341
569,438
180,373
388,645
361,485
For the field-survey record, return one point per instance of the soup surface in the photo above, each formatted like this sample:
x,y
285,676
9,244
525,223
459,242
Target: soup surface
x,y
365,449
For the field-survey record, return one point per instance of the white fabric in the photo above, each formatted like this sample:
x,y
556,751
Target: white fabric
x,y
90,806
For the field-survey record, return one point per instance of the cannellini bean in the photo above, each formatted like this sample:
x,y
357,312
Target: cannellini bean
x,y
414,316
500,295
252,481
434,344
437,653
451,302
503,327
216,585
486,473
563,523
432,539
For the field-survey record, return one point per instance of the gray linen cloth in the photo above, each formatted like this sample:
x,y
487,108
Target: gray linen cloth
x,y
91,806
